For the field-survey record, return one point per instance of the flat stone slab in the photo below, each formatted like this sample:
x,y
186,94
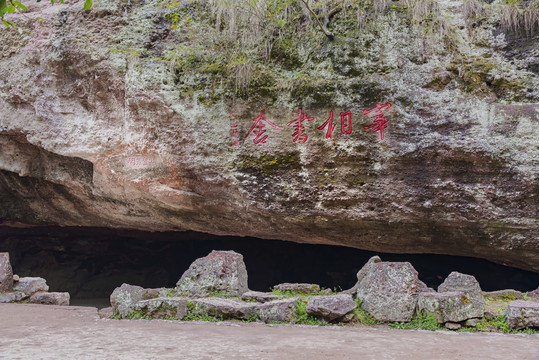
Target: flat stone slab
x,y
13,296
163,307
50,298
31,285
278,310
508,294
331,307
302,288
225,308
451,306
260,297
521,314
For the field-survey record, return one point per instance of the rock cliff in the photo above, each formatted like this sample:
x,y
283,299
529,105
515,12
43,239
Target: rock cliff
x,y
125,116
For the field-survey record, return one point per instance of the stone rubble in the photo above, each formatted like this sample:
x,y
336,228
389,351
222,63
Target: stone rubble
x,y
26,289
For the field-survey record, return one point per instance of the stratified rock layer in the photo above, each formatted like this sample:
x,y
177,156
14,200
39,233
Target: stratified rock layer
x,y
98,127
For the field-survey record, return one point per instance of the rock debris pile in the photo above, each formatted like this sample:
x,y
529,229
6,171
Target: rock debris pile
x,y
27,289
215,288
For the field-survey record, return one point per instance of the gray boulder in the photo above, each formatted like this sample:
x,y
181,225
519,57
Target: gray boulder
x,y
31,285
225,308
124,298
362,273
50,298
14,296
260,297
451,306
389,291
219,272
452,326
301,288
278,310
6,273
163,307
468,285
521,314
330,307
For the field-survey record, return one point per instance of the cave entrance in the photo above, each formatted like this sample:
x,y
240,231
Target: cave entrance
x,y
90,262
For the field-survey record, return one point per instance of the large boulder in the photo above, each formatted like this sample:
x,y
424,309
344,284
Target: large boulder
x,y
124,298
301,288
330,307
468,285
163,307
278,310
389,291
6,273
362,273
31,285
220,272
452,306
224,308
50,298
521,314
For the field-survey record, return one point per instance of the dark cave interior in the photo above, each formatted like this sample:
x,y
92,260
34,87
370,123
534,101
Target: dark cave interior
x,y
90,262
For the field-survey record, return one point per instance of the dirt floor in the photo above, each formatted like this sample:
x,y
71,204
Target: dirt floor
x,y
54,332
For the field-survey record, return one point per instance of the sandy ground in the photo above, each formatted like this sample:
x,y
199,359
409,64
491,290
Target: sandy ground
x,y
53,332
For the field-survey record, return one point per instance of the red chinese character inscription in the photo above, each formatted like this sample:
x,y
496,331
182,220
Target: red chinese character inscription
x,y
329,124
299,133
258,129
234,131
346,122
379,119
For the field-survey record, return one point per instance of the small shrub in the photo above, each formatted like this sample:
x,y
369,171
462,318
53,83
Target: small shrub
x,y
116,316
138,315
421,321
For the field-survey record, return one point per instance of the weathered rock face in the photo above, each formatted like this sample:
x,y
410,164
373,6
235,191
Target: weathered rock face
x,y
278,310
31,285
469,286
389,291
6,273
298,287
99,127
50,298
221,272
124,298
164,307
330,307
225,308
521,314
452,306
